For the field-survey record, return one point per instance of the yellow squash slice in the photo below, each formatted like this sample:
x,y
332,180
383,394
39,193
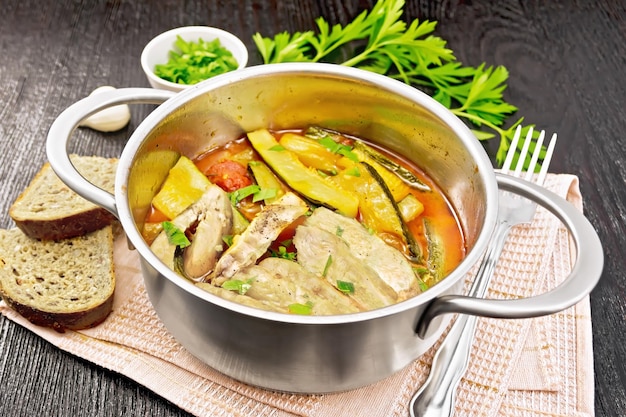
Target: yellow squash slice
x,y
304,180
183,186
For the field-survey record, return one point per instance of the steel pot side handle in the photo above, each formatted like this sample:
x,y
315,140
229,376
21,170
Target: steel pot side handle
x,y
65,124
583,278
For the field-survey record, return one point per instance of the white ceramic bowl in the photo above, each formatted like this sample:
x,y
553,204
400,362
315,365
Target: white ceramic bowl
x,y
158,49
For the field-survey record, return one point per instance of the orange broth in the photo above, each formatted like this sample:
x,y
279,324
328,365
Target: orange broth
x,y
437,208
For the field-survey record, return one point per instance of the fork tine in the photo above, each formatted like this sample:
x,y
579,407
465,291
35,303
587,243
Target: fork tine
x,y
511,153
535,157
522,157
546,160
545,163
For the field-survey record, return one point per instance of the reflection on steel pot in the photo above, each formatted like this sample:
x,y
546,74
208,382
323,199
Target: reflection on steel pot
x,y
311,354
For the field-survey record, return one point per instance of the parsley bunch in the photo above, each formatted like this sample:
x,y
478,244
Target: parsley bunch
x,y
379,41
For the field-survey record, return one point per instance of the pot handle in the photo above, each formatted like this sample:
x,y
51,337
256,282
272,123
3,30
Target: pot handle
x,y
65,124
585,273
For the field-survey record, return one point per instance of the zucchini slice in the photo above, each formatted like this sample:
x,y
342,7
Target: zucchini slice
x,y
266,179
377,207
240,223
405,175
300,178
398,188
395,175
415,251
436,254
311,152
410,207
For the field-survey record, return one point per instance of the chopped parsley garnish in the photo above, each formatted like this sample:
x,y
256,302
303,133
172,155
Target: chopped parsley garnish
x,y
302,309
423,286
174,235
253,190
264,194
228,239
420,274
354,172
238,195
345,287
239,286
338,148
282,252
193,62
329,262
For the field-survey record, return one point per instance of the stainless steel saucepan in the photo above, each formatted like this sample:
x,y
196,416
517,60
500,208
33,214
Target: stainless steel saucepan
x,y
303,353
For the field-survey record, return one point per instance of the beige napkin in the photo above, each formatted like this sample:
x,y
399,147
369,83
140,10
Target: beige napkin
x,y
534,367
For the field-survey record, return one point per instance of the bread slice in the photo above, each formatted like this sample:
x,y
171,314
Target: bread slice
x,y
68,284
49,210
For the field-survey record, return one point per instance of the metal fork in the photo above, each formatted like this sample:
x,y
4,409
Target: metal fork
x,y
437,396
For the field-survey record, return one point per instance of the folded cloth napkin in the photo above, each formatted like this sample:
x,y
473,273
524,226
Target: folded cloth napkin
x,y
533,367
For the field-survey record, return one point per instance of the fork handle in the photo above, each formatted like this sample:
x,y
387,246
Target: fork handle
x,y
490,260
584,276
436,397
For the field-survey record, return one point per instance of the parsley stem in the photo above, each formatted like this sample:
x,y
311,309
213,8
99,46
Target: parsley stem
x,y
504,134
460,113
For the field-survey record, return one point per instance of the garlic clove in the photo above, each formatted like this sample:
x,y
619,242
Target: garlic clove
x,y
108,120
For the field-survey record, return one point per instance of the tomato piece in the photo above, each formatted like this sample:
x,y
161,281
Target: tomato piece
x,y
229,175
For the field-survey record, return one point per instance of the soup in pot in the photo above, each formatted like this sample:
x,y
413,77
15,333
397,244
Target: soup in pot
x,y
305,221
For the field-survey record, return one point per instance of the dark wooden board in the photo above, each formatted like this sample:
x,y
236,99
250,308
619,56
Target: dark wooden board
x,y
566,60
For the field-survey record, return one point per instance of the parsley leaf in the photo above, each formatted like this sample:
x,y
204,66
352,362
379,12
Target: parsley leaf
x,y
345,287
338,148
264,194
354,171
283,253
174,235
302,309
238,286
329,262
241,193
253,190
284,47
228,239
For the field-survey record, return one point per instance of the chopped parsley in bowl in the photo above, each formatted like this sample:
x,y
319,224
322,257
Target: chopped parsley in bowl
x,y
184,56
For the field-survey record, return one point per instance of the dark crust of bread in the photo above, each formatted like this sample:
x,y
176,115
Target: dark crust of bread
x,y
68,227
61,321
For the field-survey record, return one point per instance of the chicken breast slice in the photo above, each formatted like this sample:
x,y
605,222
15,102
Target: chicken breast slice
x,y
326,254
266,226
276,284
212,218
389,263
287,282
241,298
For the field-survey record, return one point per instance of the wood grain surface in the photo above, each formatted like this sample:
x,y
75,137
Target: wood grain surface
x,y
566,60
